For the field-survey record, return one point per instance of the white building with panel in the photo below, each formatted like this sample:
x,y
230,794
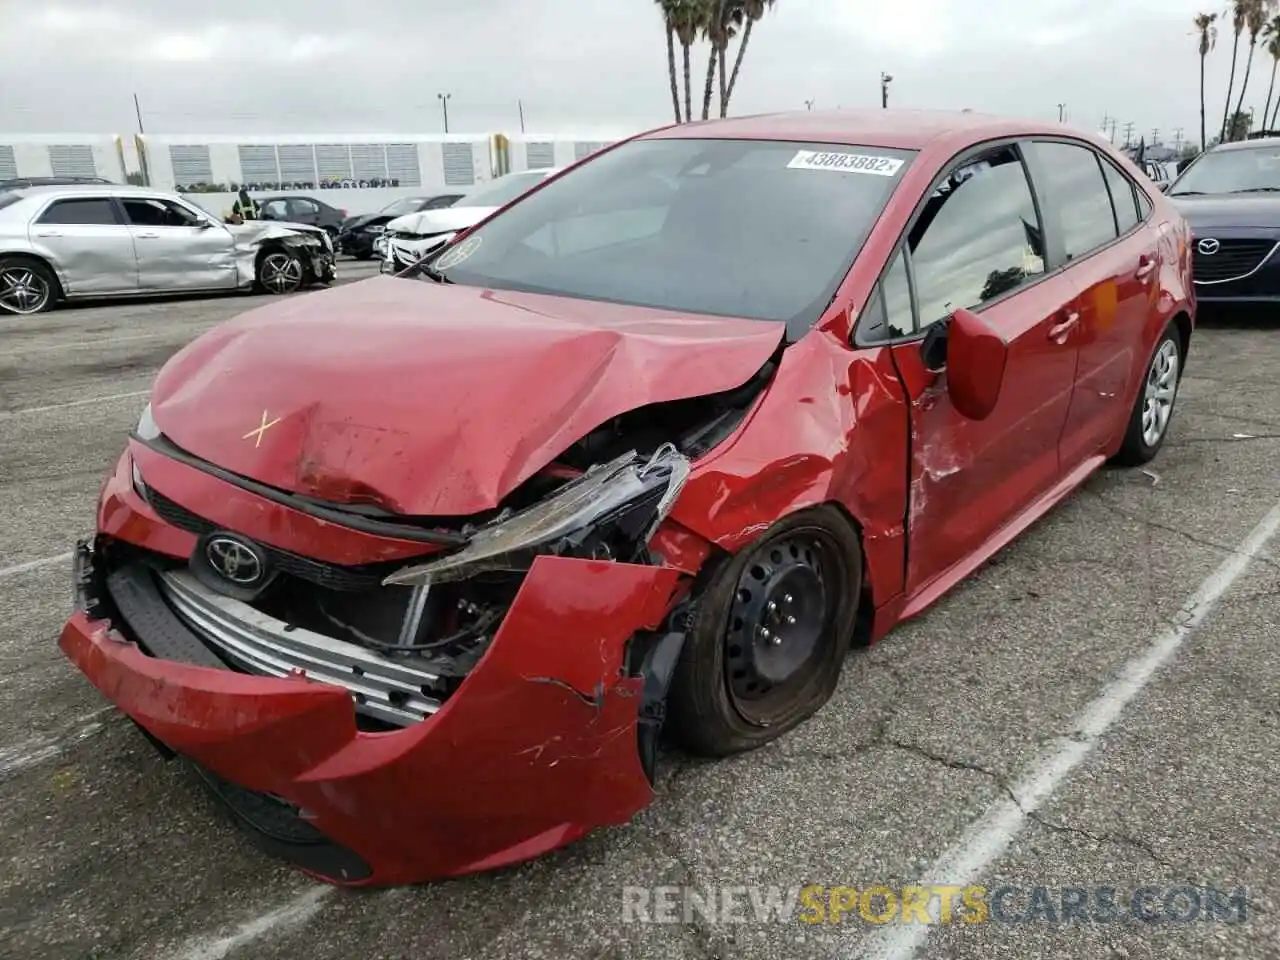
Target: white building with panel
x,y
62,155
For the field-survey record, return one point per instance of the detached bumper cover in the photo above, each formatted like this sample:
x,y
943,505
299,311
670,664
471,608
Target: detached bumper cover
x,y
536,748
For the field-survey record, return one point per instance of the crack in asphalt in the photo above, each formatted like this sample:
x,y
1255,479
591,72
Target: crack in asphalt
x,y
1110,507
1117,839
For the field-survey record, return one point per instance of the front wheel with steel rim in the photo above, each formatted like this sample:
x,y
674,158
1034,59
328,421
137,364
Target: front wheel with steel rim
x,y
26,287
768,634
280,272
1153,409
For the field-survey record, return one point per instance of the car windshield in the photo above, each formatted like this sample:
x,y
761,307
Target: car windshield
x,y
746,228
400,207
1232,171
503,190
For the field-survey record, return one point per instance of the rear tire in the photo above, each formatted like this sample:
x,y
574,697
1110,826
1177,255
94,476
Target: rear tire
x,y
27,286
768,636
1154,405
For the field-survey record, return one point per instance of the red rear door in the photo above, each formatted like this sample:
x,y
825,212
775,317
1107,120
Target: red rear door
x,y
1111,255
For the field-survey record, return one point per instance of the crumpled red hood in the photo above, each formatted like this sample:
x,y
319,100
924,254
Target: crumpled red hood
x,y
432,400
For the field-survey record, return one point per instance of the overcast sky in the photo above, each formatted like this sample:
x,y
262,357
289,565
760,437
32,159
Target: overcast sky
x,y
343,66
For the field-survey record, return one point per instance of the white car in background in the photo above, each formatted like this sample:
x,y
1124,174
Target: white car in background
x,y
408,239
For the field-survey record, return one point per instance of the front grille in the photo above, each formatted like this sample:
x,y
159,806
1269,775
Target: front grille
x,y
1234,258
330,575
394,691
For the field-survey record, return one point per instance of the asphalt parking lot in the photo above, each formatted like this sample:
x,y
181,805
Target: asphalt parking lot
x,y
1166,777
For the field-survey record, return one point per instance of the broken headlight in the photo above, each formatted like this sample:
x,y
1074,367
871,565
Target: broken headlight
x,y
605,492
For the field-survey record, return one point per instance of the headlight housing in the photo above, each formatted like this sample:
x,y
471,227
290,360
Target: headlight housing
x,y
606,492
146,428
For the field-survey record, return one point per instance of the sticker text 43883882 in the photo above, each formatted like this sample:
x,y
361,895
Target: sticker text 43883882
x,y
841,162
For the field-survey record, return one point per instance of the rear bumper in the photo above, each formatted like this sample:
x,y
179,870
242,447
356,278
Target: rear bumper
x,y
537,747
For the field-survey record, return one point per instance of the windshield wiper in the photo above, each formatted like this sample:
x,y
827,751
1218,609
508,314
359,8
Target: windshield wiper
x,y
1188,193
1257,190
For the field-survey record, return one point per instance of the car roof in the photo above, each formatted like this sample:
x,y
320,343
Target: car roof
x,y
901,129
76,189
1261,143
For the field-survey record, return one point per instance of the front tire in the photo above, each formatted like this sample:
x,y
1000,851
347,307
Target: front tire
x,y
280,272
768,636
1153,408
27,287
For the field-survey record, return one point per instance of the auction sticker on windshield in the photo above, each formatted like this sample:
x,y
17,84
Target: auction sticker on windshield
x,y
845,162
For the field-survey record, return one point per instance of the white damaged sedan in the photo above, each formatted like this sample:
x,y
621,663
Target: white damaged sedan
x,y
408,239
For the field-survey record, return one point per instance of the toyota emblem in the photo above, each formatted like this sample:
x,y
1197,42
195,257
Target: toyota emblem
x,y
235,561
1208,246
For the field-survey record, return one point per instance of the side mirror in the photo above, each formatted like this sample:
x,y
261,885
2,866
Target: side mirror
x,y
1164,187
973,356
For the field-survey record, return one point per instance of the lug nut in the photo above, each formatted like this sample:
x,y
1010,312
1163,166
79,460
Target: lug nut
x,y
787,599
773,607
791,621
764,633
777,641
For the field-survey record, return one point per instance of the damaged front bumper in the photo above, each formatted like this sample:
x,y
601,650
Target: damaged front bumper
x,y
539,745
350,763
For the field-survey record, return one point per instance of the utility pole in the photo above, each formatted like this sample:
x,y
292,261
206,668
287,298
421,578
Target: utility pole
x,y
1177,139
1155,136
1113,130
444,105
1128,133
1062,112
809,104
885,80
520,104
138,110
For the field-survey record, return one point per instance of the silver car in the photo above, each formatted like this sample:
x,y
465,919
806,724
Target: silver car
x,y
106,240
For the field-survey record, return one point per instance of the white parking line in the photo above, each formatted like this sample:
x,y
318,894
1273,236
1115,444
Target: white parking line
x,y
8,415
34,564
989,837
297,911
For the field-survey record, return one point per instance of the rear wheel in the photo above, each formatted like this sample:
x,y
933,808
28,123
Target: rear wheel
x,y
1152,411
768,636
280,272
26,286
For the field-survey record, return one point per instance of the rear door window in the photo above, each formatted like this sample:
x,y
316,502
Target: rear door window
x,y
1077,191
82,211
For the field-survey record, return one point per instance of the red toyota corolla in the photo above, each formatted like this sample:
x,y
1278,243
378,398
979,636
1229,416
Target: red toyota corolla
x,y
413,571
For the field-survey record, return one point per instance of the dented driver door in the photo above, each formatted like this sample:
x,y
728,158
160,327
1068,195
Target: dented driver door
x,y
978,245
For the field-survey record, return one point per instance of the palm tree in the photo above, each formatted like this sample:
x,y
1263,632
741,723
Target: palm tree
x,y
1255,18
688,24
670,12
1239,11
722,17
754,11
1271,33
1208,39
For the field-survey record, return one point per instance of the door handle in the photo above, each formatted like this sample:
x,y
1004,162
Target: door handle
x,y
48,233
1059,331
147,236
1145,266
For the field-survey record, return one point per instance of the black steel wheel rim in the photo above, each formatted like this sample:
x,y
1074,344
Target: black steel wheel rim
x,y
782,622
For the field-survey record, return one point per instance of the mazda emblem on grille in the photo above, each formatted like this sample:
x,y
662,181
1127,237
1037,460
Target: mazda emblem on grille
x,y
1208,246
234,560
